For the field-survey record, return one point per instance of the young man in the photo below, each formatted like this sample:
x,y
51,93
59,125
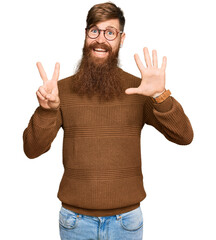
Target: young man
x,y
102,110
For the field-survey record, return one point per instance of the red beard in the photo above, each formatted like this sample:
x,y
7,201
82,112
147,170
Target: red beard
x,y
96,76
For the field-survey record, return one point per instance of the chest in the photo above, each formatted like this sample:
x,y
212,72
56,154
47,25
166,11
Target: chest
x,y
80,111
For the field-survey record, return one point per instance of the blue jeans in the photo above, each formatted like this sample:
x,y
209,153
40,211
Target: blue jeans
x,y
125,226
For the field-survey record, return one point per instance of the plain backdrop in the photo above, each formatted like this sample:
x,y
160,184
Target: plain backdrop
x,y
179,180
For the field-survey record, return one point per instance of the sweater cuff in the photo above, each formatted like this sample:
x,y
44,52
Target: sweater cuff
x,y
47,113
165,106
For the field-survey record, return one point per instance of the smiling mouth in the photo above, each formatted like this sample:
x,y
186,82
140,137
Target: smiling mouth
x,y
99,50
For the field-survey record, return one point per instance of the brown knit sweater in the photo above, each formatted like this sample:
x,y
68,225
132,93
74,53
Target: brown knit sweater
x,y
101,146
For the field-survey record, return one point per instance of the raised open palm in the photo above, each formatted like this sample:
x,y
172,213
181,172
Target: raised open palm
x,y
153,78
47,94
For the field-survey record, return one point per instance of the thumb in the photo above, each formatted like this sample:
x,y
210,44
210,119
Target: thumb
x,y
132,91
52,98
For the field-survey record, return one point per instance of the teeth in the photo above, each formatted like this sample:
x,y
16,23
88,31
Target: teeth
x,y
100,50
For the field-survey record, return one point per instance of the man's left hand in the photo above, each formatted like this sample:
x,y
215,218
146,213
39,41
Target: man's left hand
x,y
153,78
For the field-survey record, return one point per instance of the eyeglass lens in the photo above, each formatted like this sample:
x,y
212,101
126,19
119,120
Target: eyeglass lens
x,y
109,33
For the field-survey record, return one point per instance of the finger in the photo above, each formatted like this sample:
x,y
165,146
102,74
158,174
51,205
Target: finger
x,y
43,92
147,57
42,72
56,72
133,91
164,63
139,62
51,98
154,58
40,96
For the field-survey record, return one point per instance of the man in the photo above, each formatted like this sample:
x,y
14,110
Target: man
x,y
102,110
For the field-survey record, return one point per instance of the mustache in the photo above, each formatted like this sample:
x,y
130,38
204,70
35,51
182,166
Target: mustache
x,y
100,45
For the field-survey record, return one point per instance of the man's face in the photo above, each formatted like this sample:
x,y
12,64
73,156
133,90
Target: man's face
x,y
98,73
103,46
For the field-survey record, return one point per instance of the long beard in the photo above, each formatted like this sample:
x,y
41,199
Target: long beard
x,y
95,76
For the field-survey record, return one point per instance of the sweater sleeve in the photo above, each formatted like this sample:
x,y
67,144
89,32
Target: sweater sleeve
x,y
41,131
169,118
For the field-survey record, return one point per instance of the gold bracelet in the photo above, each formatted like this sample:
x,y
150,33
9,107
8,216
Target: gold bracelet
x,y
161,97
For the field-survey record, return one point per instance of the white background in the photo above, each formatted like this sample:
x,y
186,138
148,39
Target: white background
x,y
179,180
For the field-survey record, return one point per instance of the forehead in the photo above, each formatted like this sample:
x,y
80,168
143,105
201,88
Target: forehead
x,y
109,23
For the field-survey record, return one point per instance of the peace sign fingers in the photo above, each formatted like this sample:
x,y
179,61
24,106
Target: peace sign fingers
x,y
48,95
56,72
42,72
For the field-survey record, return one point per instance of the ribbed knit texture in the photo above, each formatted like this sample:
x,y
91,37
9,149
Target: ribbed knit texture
x,y
101,146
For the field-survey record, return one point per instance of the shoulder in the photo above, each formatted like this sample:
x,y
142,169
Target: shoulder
x,y
65,83
130,78
128,75
134,81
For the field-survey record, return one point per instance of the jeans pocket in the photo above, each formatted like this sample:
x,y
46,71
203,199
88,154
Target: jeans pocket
x,y
132,220
67,219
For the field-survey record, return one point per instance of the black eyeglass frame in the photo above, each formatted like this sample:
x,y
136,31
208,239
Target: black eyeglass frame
x,y
99,31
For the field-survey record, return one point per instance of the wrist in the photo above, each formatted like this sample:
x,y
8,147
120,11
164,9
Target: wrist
x,y
162,97
158,94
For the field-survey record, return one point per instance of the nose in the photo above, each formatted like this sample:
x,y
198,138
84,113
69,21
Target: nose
x,y
101,37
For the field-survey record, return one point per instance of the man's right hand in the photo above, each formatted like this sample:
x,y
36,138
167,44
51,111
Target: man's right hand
x,y
47,94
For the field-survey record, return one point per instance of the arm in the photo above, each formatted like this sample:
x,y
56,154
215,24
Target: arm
x,y
46,121
41,131
169,118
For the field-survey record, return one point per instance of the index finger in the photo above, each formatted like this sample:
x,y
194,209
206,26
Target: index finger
x,y
42,72
56,72
139,63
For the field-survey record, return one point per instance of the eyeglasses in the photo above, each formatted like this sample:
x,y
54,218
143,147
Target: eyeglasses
x,y
110,33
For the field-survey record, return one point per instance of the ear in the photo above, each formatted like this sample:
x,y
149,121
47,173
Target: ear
x,y
122,39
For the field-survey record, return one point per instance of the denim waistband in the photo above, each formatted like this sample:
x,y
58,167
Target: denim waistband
x,y
78,215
